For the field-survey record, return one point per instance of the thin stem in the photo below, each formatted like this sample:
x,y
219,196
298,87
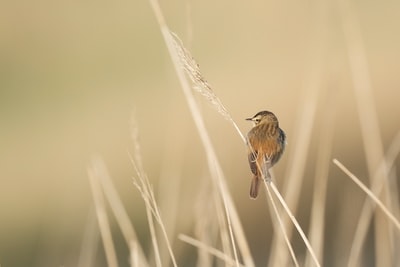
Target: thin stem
x,y
280,222
369,193
102,219
153,237
213,251
211,156
296,224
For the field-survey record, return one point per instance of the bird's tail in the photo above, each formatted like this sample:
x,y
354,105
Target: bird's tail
x,y
255,183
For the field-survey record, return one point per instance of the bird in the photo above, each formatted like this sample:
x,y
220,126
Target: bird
x,y
266,143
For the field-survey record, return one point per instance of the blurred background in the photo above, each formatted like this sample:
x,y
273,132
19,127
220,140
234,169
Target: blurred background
x,y
73,73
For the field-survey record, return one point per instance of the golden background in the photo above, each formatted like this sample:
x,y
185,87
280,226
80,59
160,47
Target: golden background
x,y
73,73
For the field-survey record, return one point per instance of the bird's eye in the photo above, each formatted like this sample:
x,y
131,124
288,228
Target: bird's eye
x,y
257,120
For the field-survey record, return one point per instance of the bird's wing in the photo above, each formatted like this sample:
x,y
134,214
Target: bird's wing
x,y
253,161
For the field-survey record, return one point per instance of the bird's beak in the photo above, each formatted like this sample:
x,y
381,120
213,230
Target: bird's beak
x,y
249,119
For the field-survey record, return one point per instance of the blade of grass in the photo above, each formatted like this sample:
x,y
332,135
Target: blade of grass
x,y
317,223
215,252
207,228
117,207
212,160
372,140
295,223
368,207
134,254
102,219
302,136
222,226
200,85
90,241
301,139
281,225
142,183
369,193
170,178
297,164
153,236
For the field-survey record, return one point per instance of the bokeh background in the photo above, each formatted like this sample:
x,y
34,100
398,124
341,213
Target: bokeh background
x,y
73,73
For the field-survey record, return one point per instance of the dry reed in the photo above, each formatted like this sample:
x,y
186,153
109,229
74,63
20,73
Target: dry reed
x,y
142,183
102,218
376,200
372,140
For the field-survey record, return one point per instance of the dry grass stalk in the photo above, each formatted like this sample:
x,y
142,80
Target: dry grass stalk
x,y
190,66
368,207
215,169
281,225
200,84
142,183
102,219
213,251
211,156
295,223
302,135
134,254
213,163
117,207
153,235
206,228
90,241
222,225
170,180
369,124
297,163
298,157
317,223
369,193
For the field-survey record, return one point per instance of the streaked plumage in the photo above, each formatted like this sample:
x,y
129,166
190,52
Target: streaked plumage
x,y
266,142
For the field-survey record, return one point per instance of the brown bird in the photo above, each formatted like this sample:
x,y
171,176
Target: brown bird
x,y
266,142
